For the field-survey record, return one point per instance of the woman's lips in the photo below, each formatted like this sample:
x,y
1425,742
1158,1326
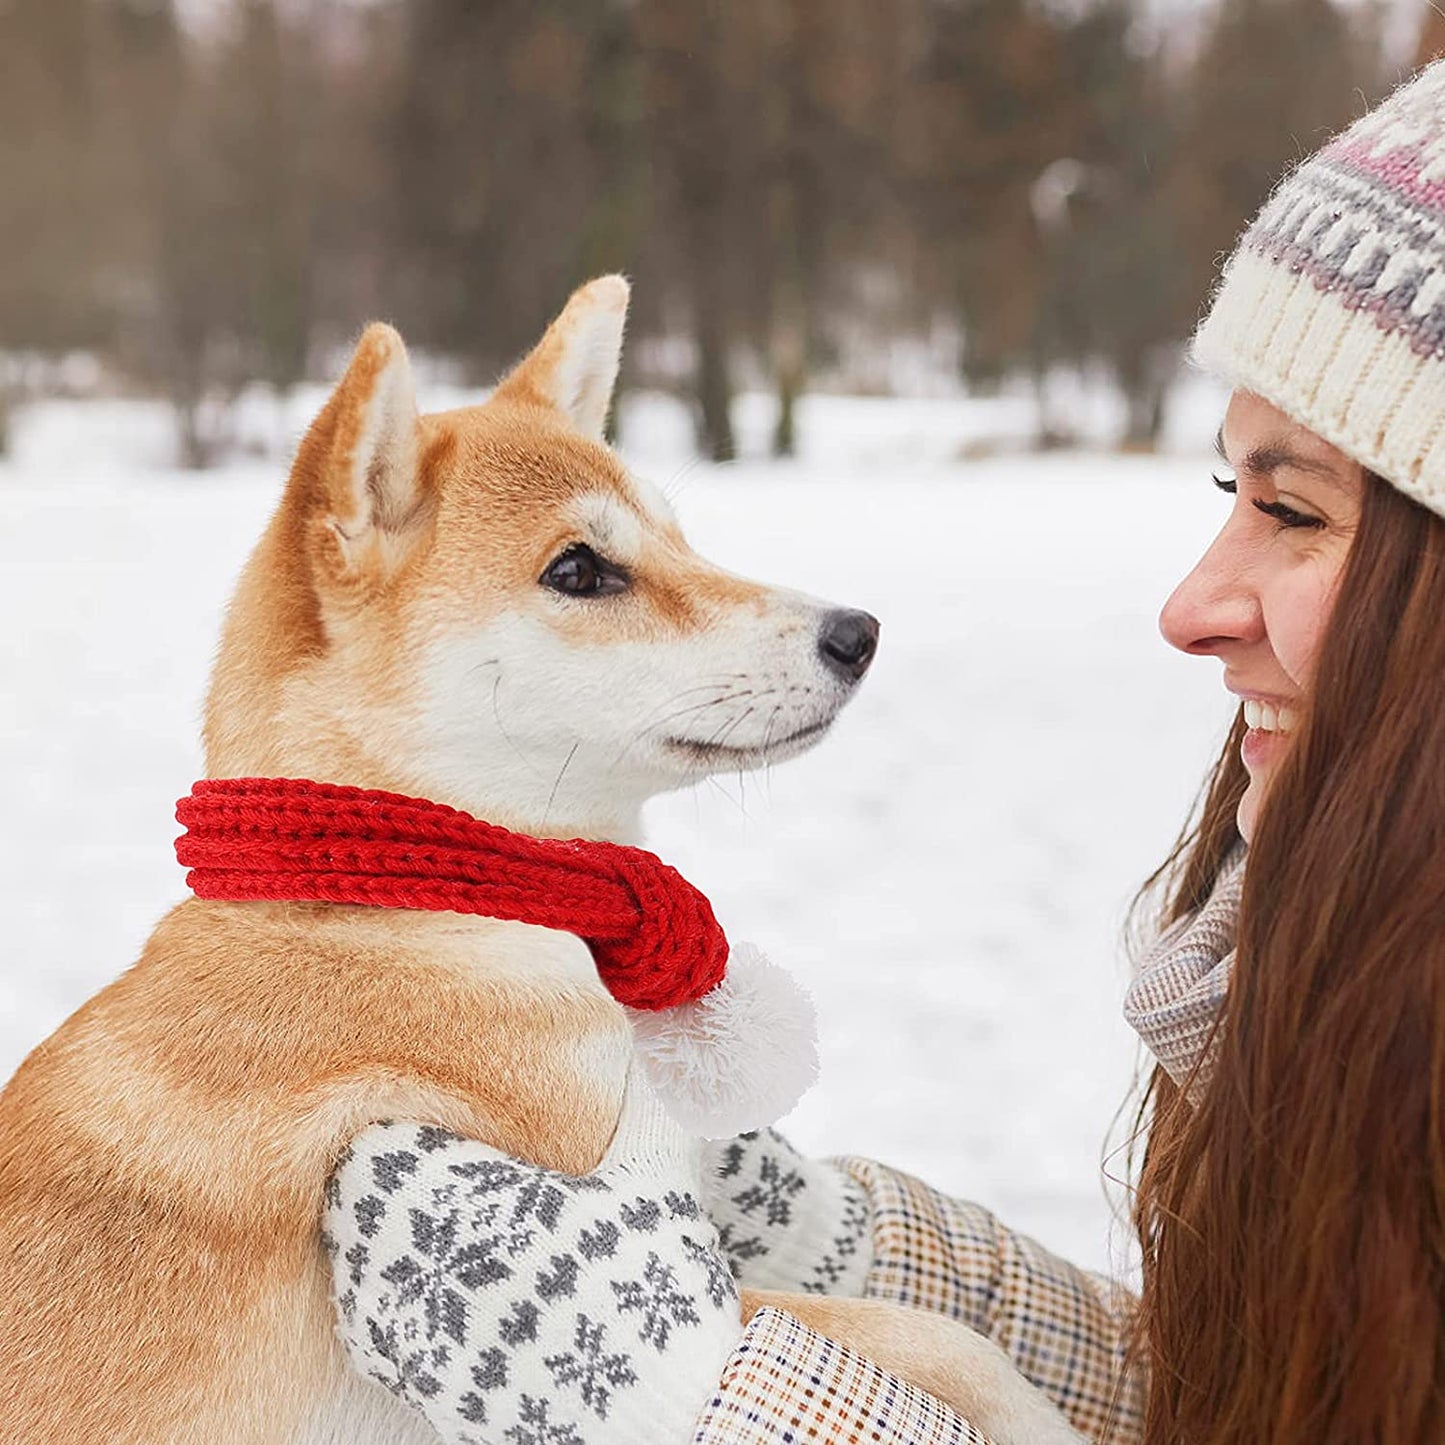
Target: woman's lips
x,y
1261,748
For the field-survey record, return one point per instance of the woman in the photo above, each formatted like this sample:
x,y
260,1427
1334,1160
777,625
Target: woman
x,y
1291,1204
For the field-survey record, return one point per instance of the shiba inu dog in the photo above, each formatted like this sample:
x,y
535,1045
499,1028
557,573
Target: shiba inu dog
x,y
480,607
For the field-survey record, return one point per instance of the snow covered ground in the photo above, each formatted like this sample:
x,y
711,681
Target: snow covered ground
x,y
948,873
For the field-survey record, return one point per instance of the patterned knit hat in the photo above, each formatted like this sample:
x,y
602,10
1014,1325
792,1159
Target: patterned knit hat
x,y
1333,305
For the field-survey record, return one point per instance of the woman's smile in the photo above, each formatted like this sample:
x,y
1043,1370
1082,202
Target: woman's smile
x,y
1270,721
1260,597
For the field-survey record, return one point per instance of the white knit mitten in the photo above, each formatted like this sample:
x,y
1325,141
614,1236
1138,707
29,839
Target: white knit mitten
x,y
511,1303
787,1222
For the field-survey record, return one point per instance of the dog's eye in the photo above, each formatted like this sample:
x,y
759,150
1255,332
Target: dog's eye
x,y
580,572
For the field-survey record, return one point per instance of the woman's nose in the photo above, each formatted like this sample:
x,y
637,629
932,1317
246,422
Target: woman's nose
x,y
1214,606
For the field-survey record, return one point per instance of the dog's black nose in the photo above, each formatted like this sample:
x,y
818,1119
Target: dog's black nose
x,y
847,643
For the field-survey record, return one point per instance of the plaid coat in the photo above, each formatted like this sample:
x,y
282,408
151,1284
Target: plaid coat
x,y
1066,1330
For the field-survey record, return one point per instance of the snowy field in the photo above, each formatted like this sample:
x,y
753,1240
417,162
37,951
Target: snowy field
x,y
948,874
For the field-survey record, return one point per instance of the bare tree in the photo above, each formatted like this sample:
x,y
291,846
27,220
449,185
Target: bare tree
x,y
783,177
52,240
692,131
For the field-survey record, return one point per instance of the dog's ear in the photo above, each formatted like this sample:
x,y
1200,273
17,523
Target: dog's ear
x,y
359,464
573,369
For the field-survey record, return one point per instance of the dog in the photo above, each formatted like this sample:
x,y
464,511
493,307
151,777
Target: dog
x,y
480,607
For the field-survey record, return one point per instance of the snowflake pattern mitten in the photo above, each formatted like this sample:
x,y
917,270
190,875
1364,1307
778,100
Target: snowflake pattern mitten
x,y
786,1222
513,1305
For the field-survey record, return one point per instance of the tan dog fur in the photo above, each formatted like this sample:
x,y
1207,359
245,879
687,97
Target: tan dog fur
x,y
163,1155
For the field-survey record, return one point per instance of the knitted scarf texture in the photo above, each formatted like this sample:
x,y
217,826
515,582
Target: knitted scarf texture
x,y
1178,991
727,1039
654,936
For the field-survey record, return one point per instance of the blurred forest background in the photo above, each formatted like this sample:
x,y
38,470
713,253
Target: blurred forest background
x,y
849,194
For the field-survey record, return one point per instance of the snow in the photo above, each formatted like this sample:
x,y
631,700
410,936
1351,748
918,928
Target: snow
x,y
948,873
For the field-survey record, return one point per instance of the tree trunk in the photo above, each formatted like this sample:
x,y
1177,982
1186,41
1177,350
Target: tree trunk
x,y
790,370
785,433
196,444
788,318
1145,381
789,348
195,454
1145,422
714,386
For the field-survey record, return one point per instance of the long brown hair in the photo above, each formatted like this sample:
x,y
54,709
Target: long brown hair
x,y
1293,1225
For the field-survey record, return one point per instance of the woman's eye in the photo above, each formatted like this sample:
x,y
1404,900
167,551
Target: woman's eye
x,y
1282,512
1286,515
580,572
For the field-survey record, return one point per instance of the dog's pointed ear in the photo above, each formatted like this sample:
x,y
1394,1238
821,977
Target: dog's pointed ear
x,y
573,369
361,460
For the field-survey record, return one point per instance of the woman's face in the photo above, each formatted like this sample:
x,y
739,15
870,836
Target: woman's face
x,y
1260,597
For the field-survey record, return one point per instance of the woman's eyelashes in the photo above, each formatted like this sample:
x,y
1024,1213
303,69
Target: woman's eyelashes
x,y
1287,516
1282,512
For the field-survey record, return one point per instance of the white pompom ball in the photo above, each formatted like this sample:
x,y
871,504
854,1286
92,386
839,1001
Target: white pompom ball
x,y
739,1057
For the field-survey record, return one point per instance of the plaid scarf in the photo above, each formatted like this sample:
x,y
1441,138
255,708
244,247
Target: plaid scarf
x,y
1179,989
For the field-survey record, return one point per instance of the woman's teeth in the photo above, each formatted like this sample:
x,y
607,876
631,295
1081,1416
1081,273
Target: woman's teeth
x,y
1266,718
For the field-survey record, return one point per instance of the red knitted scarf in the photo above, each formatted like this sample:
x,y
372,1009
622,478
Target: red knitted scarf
x,y
651,932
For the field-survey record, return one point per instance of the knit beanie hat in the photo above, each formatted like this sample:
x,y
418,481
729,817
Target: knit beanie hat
x,y
1333,305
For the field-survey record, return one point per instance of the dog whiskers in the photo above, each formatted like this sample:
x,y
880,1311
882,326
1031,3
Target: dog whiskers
x,y
497,717
562,773
767,754
717,787
718,687
710,702
673,487
720,737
